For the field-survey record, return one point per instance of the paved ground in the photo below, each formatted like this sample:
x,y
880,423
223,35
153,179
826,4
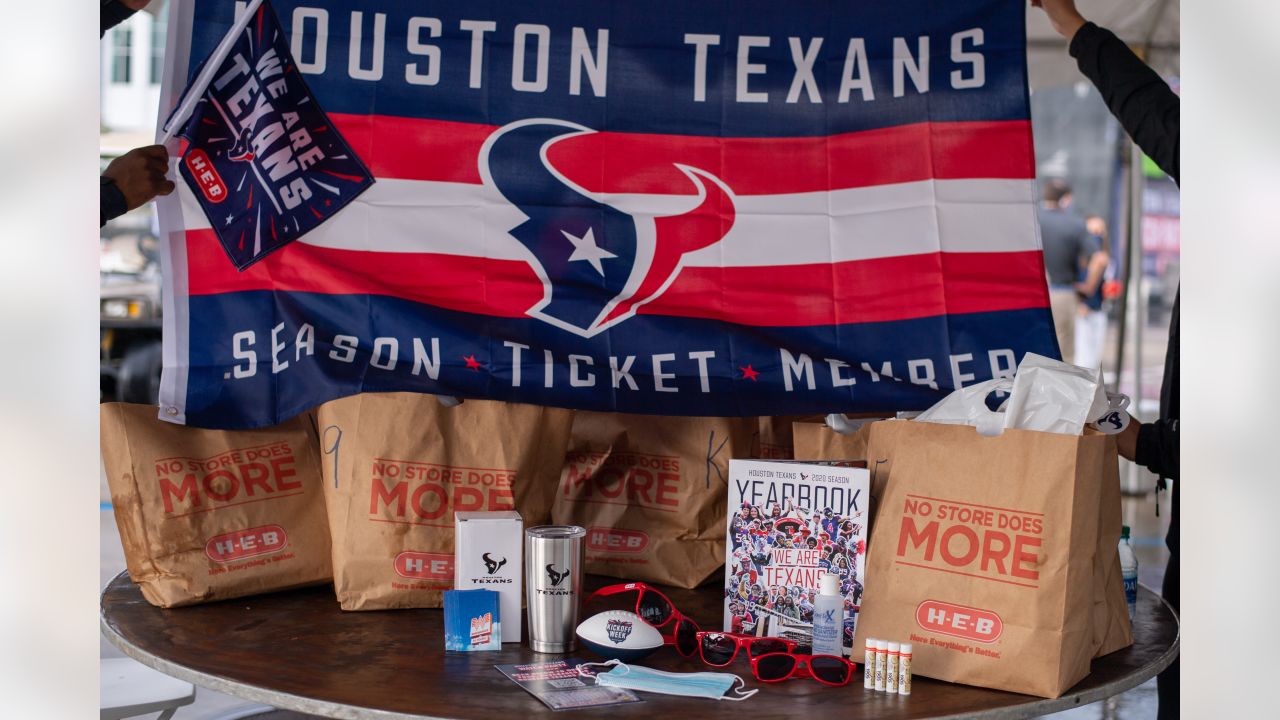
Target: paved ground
x,y
1138,704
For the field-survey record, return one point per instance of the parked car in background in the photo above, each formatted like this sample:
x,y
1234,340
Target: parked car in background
x,y
130,320
131,352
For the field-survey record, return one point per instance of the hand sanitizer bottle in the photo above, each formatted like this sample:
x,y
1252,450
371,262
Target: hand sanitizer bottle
x,y
828,618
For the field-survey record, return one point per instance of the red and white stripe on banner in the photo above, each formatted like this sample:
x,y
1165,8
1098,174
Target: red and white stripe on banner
x,y
905,222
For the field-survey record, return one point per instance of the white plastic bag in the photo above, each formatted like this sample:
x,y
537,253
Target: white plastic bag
x,y
968,406
1116,418
845,425
1053,396
1046,395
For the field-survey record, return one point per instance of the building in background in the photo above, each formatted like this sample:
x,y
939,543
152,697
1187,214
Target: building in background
x,y
131,68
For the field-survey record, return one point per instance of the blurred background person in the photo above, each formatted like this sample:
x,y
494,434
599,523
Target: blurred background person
x,y
1065,240
1091,323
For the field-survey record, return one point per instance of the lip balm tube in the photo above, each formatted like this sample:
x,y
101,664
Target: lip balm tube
x,y
869,666
891,669
904,669
882,657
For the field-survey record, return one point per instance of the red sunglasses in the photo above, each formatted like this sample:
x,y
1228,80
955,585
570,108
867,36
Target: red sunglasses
x,y
654,608
826,669
720,648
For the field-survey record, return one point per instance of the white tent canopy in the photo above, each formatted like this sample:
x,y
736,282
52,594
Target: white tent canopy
x,y
1150,26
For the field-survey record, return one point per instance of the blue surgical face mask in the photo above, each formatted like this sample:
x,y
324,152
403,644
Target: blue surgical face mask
x,y
712,685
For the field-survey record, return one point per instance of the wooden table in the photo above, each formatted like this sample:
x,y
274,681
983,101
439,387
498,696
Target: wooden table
x,y
296,650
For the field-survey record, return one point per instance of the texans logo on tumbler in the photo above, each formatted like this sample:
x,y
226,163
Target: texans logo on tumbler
x,y
618,630
264,161
556,577
491,565
598,263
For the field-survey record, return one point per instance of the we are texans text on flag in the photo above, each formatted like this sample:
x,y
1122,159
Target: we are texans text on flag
x,y
702,208
254,130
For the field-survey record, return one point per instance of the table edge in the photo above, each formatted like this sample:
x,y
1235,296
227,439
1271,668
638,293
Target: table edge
x,y
341,711
254,693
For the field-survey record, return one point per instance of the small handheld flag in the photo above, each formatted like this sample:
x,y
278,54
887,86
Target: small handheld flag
x,y
263,159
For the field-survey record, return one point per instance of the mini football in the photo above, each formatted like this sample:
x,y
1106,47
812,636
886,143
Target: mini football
x,y
618,634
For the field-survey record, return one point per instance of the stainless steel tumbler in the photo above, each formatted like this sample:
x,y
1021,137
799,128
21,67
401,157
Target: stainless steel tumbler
x,y
553,558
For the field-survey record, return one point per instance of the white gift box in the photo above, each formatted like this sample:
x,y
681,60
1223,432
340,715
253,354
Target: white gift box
x,y
488,548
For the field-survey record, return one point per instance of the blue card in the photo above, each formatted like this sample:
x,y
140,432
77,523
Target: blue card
x,y
471,620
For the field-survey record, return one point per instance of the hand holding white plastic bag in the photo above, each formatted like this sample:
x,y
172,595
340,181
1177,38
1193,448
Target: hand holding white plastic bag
x,y
1045,395
1053,396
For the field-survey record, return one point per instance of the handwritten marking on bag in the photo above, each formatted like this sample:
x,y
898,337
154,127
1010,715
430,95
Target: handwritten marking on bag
x,y
233,477
403,491
712,464
964,538
621,478
240,544
970,623
332,448
601,539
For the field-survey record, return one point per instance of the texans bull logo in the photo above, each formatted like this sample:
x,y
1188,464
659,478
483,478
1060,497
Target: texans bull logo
x,y
597,262
556,576
242,150
492,565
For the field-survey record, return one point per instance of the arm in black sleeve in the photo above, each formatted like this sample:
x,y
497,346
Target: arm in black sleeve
x,y
1157,448
111,202
1142,102
112,14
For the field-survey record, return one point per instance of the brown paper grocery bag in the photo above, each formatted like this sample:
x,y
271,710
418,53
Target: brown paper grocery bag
x,y
398,465
1112,629
773,438
983,553
651,491
214,514
816,441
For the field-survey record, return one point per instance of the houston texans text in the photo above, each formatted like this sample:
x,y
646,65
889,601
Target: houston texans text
x,y
538,52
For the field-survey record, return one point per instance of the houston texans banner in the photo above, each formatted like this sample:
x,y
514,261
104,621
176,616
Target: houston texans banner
x,y
695,208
